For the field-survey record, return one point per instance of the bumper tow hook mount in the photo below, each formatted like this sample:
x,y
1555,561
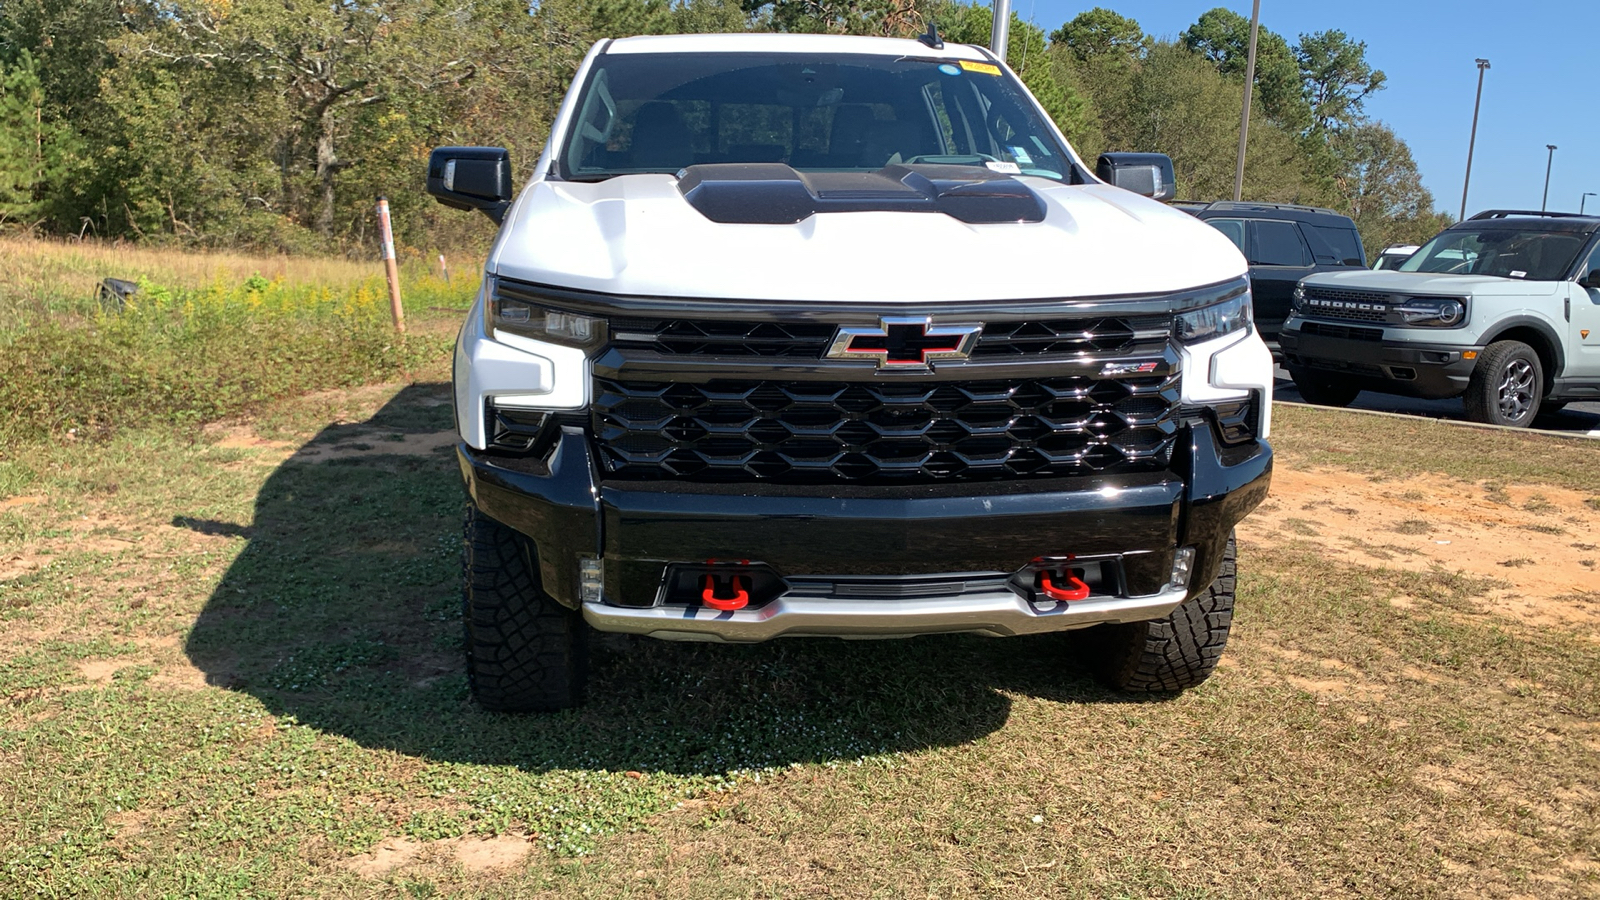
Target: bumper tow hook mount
x,y
738,599
1063,587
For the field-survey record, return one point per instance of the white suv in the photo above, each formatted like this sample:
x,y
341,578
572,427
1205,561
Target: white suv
x,y
1502,310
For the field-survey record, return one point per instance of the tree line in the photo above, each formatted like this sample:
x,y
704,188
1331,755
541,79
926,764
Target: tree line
x,y
272,124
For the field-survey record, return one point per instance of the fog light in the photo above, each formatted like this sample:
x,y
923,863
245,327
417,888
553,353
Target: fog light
x,y
1182,566
591,579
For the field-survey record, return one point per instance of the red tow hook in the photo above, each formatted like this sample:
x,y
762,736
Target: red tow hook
x,y
739,600
1074,589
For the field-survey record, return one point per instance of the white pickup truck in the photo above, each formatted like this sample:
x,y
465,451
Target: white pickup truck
x,y
809,335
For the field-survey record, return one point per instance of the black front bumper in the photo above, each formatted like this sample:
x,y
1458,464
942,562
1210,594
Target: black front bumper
x,y
1408,368
826,532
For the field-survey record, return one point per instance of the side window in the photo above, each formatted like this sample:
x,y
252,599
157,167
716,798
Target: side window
x,y
1233,228
1591,269
1346,244
1277,244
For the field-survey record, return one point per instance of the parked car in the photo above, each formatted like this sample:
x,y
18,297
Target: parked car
x,y
1283,244
1393,255
1502,310
821,335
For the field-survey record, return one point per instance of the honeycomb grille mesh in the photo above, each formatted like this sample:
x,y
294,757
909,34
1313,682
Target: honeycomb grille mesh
x,y
885,432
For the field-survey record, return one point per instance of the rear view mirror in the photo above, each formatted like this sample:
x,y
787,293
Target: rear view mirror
x,y
1149,174
472,178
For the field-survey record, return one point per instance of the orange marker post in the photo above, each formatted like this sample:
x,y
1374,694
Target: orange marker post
x,y
390,267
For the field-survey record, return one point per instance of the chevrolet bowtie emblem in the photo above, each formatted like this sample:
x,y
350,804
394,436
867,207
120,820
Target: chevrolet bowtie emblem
x,y
909,341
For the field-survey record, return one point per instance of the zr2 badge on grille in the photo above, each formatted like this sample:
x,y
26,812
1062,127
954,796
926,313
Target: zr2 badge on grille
x,y
904,342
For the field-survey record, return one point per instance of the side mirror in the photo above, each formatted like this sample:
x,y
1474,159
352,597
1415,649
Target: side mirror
x,y
472,178
1591,280
1149,174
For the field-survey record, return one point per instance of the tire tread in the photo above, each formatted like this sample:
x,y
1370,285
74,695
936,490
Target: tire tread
x,y
525,652
1180,651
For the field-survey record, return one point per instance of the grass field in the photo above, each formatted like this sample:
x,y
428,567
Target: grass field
x,y
205,336
230,669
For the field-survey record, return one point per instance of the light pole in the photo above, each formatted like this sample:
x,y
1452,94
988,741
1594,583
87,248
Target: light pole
x,y
1473,140
1549,160
1000,31
1244,118
1584,199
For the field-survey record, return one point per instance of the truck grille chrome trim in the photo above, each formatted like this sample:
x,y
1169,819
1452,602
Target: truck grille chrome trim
x,y
811,340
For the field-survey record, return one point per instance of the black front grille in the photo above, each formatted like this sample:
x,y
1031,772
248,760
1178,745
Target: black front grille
x,y
1342,331
885,431
706,337
810,340
1353,306
1058,336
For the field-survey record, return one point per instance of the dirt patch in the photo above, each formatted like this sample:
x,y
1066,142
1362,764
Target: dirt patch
x,y
15,565
129,822
473,854
13,502
100,671
1536,543
242,437
377,443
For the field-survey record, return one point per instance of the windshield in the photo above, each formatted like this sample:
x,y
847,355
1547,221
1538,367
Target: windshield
x,y
1505,252
662,112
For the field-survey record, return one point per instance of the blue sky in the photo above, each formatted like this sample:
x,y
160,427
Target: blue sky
x,y
1541,87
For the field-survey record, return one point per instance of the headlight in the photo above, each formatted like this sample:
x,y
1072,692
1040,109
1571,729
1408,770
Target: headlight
x,y
1214,321
541,323
1298,298
1432,313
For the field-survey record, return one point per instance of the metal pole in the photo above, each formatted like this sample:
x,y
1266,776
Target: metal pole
x,y
1547,163
1473,140
1584,199
390,269
1000,32
1244,117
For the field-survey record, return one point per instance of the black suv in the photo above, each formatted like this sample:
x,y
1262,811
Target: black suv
x,y
1283,244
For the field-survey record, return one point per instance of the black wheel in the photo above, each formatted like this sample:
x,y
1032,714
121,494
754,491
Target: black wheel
x,y
1506,386
1178,652
525,651
1324,390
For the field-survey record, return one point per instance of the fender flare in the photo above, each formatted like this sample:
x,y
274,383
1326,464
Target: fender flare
x,y
1557,345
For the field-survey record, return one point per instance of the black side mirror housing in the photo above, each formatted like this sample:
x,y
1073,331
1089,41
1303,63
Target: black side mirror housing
x,y
472,178
1149,174
1591,280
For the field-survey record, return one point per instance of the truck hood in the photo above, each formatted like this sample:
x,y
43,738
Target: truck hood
x,y
637,235
1425,283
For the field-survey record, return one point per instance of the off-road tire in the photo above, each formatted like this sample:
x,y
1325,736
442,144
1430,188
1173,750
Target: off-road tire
x,y
1507,385
1324,390
1178,652
525,652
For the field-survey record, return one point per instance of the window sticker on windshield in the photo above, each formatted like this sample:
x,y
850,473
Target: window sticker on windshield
x,y
983,67
1005,168
949,69
1021,155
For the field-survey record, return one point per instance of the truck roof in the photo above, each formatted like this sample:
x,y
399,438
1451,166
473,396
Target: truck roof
x,y
792,43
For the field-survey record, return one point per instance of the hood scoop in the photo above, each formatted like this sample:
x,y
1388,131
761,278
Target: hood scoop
x,y
775,194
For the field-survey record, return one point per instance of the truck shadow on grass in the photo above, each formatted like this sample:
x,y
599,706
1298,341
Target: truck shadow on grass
x,y
343,611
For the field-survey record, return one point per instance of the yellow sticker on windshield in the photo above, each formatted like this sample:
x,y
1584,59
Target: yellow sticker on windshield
x,y
985,68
